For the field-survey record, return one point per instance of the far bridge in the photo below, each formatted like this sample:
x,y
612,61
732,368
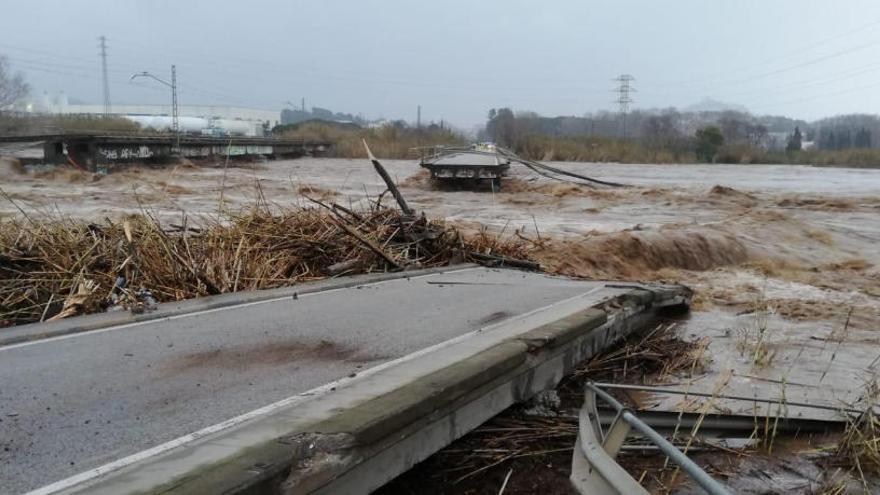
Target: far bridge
x,y
96,151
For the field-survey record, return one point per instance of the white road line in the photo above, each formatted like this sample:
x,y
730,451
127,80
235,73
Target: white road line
x,y
215,310
118,464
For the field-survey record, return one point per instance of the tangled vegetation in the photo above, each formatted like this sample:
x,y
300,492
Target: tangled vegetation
x,y
60,267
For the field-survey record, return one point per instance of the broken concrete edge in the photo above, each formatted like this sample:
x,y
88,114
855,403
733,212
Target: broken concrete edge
x,y
257,469
377,418
543,371
378,423
660,296
98,321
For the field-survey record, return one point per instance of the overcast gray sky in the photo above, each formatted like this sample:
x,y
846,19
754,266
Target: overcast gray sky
x,y
802,58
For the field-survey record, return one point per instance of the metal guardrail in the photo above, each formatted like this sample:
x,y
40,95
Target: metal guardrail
x,y
593,469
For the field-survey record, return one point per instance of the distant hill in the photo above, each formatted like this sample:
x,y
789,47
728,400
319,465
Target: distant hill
x,y
710,105
294,116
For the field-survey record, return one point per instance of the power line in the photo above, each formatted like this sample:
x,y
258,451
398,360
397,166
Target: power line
x,y
77,72
104,76
238,66
767,61
841,76
28,65
807,63
819,96
44,53
234,66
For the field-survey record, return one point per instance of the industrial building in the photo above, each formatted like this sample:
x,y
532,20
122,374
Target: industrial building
x,y
194,119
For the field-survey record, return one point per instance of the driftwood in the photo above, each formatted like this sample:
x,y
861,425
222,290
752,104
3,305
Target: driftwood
x,y
368,243
58,267
388,182
494,260
342,267
417,235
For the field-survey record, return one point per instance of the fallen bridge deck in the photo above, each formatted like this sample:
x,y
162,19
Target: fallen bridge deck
x,y
466,166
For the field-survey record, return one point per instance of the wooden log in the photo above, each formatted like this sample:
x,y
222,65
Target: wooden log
x,y
504,261
342,266
388,182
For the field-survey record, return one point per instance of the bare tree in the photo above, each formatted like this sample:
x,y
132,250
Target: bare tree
x,y
734,126
659,130
757,134
12,86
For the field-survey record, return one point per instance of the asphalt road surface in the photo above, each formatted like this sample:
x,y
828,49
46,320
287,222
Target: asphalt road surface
x,y
72,403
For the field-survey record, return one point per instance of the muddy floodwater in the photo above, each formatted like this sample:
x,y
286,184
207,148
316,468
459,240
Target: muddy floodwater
x,y
784,260
788,232
793,231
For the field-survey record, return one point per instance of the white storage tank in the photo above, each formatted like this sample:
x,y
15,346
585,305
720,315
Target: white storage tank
x,y
165,122
236,127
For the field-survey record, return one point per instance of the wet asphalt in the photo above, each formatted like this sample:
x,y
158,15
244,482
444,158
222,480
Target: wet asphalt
x,y
71,404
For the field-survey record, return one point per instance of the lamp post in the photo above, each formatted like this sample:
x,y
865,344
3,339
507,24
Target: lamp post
x,y
175,116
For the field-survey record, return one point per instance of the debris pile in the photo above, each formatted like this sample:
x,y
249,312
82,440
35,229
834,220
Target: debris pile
x,y
57,267
652,357
62,267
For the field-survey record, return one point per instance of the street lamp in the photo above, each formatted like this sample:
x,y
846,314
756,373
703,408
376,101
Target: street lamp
x,y
175,118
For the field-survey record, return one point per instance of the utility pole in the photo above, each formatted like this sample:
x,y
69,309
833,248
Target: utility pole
x,y
304,104
623,90
419,117
175,113
104,73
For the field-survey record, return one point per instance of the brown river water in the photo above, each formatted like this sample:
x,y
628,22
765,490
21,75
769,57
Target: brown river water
x,y
786,233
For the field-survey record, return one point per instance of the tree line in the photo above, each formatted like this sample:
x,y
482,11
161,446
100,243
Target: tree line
x,y
668,126
673,135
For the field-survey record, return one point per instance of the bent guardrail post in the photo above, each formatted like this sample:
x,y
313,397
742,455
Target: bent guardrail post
x,y
593,468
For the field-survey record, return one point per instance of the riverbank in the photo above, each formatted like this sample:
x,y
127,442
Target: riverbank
x,y
592,149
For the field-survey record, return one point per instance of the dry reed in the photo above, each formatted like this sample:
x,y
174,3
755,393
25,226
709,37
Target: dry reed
x,y
859,447
58,267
